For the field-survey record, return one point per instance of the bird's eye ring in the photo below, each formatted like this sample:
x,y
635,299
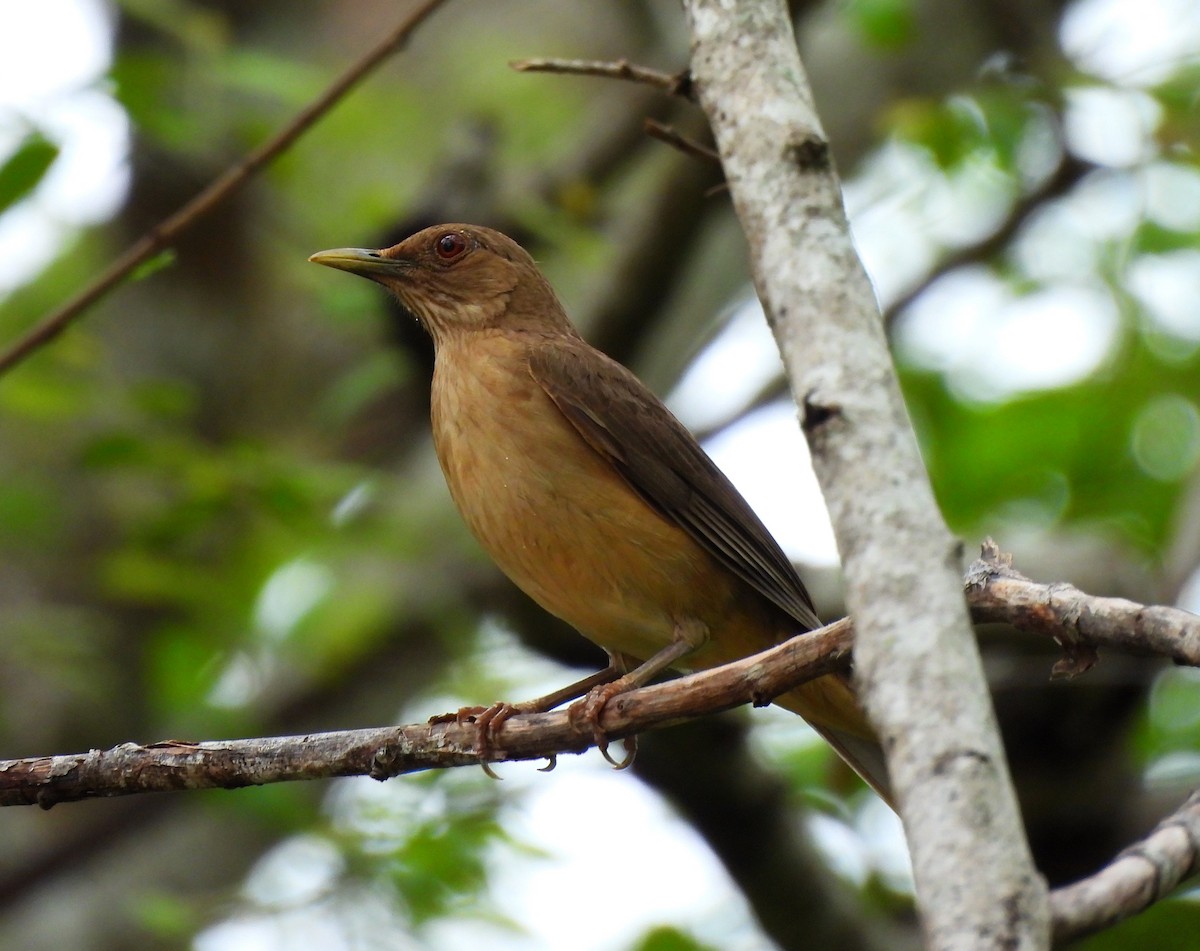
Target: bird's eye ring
x,y
450,245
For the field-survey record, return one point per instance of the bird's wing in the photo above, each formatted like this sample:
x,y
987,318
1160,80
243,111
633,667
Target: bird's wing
x,y
660,460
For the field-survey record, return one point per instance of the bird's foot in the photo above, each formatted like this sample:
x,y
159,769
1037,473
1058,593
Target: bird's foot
x,y
487,721
585,717
461,715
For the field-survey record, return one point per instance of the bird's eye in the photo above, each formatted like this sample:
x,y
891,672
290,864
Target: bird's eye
x,y
450,245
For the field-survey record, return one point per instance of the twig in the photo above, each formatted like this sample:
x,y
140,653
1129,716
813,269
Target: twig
x,y
668,134
1141,875
676,84
1068,174
1079,622
167,231
381,753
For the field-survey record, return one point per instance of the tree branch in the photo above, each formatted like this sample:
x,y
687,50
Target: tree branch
x,y
166,232
391,751
917,664
1079,622
1069,173
995,591
675,84
1141,875
674,138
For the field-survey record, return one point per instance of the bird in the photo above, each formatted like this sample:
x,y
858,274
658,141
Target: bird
x,y
587,491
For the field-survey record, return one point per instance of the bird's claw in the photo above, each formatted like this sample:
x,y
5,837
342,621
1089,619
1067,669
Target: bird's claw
x,y
585,717
630,753
487,721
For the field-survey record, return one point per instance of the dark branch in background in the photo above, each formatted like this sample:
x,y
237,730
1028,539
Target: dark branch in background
x,y
1069,173
166,232
675,84
766,851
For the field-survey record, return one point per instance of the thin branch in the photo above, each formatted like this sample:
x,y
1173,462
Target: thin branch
x,y
391,751
165,233
1070,172
675,84
674,138
1141,875
1079,622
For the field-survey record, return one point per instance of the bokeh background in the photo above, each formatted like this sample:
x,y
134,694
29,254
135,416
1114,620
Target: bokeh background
x,y
220,514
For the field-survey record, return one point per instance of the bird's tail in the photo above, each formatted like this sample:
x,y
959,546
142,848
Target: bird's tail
x,y
832,709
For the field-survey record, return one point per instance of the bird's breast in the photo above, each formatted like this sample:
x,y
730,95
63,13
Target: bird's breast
x,y
555,516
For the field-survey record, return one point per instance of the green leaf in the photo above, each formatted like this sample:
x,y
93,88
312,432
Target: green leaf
x,y
443,863
25,168
886,24
164,259
667,938
989,124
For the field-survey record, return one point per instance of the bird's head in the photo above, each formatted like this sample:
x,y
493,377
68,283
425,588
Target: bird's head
x,y
459,278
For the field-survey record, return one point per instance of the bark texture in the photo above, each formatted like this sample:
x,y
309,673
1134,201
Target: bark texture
x,y
917,663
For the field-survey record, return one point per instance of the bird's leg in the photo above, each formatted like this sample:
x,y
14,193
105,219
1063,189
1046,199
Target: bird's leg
x,y
688,636
487,720
616,667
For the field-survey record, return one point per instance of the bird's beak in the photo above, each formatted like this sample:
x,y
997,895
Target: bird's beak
x,y
359,261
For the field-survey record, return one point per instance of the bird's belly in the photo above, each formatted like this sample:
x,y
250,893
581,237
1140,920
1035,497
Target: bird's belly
x,y
561,522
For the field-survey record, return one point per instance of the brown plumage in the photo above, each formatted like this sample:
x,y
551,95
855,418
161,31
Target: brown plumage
x,y
584,487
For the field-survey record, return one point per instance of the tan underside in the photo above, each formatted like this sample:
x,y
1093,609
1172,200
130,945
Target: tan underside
x,y
562,523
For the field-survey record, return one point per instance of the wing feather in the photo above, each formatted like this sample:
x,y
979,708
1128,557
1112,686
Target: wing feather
x,y
611,409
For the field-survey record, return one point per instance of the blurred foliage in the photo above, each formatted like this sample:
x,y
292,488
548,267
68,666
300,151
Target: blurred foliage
x,y
25,168
219,514
1171,926
431,844
670,939
1115,449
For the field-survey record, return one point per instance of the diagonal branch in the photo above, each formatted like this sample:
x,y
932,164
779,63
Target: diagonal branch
x,y
1141,875
676,139
164,234
390,751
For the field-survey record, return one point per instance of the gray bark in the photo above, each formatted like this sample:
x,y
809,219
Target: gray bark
x,y
918,664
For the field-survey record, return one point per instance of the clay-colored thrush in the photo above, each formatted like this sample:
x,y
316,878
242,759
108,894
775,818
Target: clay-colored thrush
x,y
584,487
